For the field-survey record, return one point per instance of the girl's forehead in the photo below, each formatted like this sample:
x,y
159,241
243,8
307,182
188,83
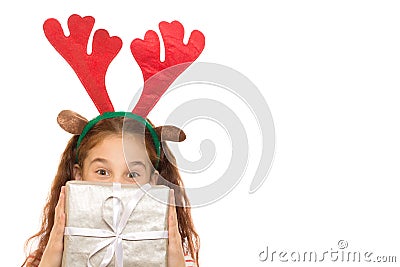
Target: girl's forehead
x,y
133,140
134,147
129,146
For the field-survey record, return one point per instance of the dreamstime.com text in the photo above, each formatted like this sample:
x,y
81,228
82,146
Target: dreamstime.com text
x,y
340,254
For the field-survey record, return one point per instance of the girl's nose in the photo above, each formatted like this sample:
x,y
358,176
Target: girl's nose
x,y
118,179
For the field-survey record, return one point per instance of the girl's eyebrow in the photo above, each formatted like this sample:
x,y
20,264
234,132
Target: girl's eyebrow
x,y
101,160
138,162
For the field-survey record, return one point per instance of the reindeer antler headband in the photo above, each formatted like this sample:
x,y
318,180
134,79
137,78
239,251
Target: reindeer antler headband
x,y
91,70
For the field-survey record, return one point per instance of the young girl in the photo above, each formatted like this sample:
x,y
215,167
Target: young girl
x,y
101,158
119,147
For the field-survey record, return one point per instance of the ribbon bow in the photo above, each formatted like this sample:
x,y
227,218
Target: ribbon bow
x,y
115,237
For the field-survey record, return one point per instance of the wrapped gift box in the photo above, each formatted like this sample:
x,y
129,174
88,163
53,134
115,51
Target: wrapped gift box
x,y
115,225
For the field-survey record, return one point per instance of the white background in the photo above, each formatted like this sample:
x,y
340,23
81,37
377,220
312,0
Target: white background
x,y
329,71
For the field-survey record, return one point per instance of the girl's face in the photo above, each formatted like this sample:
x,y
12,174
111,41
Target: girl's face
x,y
106,162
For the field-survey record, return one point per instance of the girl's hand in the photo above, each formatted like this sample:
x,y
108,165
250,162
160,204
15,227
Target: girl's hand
x,y
52,254
175,250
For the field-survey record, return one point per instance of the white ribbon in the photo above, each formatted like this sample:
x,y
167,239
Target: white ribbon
x,y
115,237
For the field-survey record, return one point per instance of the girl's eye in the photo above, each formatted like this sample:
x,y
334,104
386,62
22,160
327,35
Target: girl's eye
x,y
133,175
102,172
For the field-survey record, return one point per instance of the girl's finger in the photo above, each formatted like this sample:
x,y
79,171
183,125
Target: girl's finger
x,y
62,199
172,209
173,231
60,202
175,249
54,248
59,220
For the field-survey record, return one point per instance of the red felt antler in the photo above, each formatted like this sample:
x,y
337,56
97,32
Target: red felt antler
x,y
91,69
147,54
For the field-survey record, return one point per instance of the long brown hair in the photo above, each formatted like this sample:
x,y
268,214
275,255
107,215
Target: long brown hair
x,y
166,167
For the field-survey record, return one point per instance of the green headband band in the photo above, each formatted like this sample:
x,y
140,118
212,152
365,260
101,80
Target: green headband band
x,y
108,115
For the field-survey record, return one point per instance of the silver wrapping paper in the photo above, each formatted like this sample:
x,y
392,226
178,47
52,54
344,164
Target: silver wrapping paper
x,y
84,208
